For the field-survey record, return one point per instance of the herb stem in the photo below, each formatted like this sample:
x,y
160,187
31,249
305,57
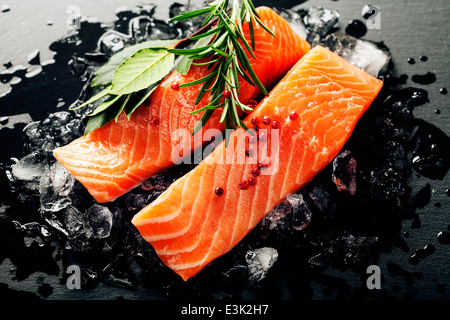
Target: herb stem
x,y
229,51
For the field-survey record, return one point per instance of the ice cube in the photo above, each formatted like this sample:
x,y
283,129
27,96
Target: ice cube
x,y
33,229
344,172
319,21
301,215
176,9
54,220
112,41
295,21
293,212
358,249
100,219
62,181
57,129
321,198
122,12
277,217
162,30
139,28
147,9
32,132
382,184
59,119
319,261
51,201
372,57
136,201
77,65
80,197
37,137
159,181
186,27
30,167
70,131
76,225
260,261
49,204
393,155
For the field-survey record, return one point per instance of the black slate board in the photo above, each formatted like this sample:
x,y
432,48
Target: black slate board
x,y
410,29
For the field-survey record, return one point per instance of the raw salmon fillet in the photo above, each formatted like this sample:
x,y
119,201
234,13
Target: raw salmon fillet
x,y
316,106
119,156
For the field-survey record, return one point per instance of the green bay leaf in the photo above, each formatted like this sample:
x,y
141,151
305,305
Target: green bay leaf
x,y
138,98
104,105
99,95
142,69
105,74
103,117
122,106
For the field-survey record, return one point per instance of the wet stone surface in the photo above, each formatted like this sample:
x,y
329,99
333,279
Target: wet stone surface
x,y
351,214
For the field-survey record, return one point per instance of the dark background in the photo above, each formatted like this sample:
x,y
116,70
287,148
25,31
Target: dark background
x,y
409,28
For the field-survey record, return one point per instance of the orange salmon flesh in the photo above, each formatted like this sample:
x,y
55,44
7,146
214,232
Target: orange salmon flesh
x,y
119,156
317,105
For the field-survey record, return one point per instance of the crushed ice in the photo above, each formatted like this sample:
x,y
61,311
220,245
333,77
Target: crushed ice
x,y
344,172
369,56
260,261
292,213
66,206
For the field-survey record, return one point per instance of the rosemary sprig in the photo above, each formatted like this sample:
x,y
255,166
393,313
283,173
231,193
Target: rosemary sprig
x,y
226,56
131,75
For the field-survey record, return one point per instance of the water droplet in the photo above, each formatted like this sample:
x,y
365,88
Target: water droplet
x,y
367,11
431,157
5,8
356,28
421,253
32,72
443,90
444,237
4,120
411,61
422,197
415,223
423,58
427,78
34,57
